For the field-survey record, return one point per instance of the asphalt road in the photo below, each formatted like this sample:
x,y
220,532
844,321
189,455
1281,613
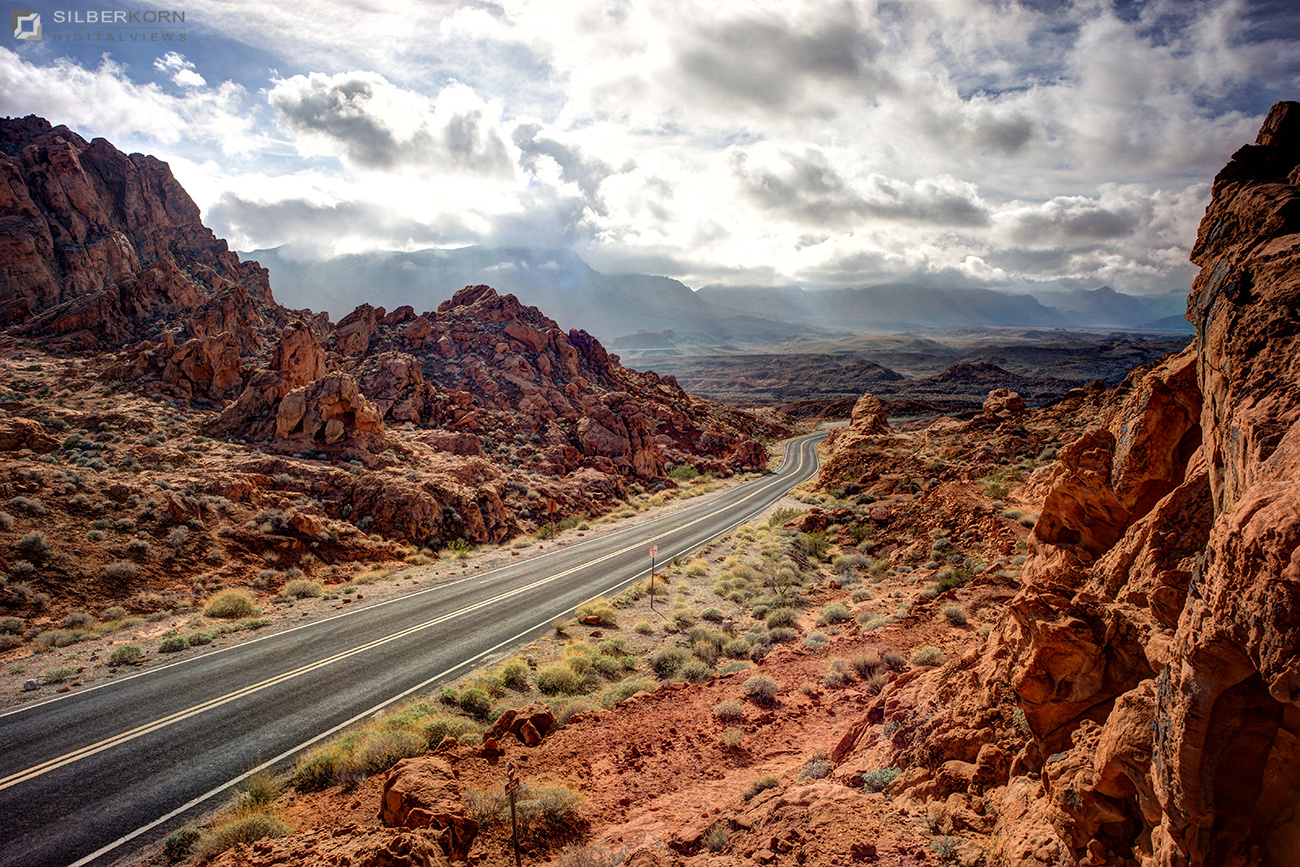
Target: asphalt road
x,y
87,777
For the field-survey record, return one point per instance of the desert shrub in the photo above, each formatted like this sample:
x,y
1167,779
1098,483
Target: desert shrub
x,y
6,521
955,614
173,644
866,664
114,612
302,588
667,661
58,675
30,505
127,654
718,838
434,727
760,688
139,547
861,594
9,642
560,679
730,710
380,752
12,625
781,617
476,703
713,615
944,848
34,545
600,611
879,780
696,671
246,829
77,619
317,770
643,628
816,640
816,768
121,570
683,473
927,655
22,570
231,605
514,674
836,612
782,634
698,568
180,844
893,659
176,538
762,784
732,737
625,689
736,648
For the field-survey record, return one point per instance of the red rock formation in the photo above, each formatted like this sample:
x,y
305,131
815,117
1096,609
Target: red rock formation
x,y
101,245
423,792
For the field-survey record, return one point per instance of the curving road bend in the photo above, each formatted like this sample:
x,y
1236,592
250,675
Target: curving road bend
x,y
90,776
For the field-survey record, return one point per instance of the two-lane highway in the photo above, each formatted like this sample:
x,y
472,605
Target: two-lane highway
x,y
93,774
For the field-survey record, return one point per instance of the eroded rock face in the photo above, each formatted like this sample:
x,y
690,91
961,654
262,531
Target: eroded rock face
x,y
99,245
423,792
1153,646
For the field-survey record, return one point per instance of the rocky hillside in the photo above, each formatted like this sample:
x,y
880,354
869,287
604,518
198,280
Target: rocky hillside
x,y
1152,646
162,418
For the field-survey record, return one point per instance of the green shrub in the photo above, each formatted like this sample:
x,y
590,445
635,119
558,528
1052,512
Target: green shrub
x,y
127,654
781,617
173,644
879,780
782,634
560,679
713,615
476,703
231,605
816,640
514,674
601,611
683,473
625,689
696,671
435,727
667,661
866,664
643,628
381,751
180,844
955,614
318,770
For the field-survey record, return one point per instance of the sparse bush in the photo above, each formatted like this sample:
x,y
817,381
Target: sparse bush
x,y
514,674
77,619
894,660
231,605
34,545
180,844
718,838
816,768
783,634
176,538
121,570
927,656
560,679
173,644
730,710
816,640
625,689
713,615
114,612
128,654
139,548
22,570
696,671
944,848
6,521
302,588
246,829
476,703
762,784
866,664
380,752
732,737
955,614
668,661
879,780
760,688
59,675
317,770
643,628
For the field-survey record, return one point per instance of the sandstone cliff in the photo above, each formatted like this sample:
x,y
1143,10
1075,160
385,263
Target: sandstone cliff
x,y
1150,655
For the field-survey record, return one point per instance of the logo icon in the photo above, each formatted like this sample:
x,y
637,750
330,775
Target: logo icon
x,y
26,24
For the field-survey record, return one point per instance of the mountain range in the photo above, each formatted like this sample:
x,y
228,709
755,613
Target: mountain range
x,y
612,306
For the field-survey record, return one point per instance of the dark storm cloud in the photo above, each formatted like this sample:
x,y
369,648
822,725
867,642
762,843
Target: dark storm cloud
x,y
1074,221
810,190
300,222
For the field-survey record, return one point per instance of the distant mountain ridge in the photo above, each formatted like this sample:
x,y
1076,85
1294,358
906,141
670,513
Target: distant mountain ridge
x,y
663,312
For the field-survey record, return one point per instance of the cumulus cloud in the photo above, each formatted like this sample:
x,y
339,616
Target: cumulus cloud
x,y
375,124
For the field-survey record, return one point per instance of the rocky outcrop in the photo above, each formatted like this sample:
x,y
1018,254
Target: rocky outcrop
x,y
347,845
1152,648
99,246
423,792
529,724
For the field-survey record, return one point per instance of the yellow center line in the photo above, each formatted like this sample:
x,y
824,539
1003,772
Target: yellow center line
x,y
181,715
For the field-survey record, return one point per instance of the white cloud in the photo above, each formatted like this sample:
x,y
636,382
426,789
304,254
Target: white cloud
x,y
182,71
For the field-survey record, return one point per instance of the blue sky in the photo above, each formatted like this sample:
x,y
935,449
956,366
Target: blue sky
x,y
838,143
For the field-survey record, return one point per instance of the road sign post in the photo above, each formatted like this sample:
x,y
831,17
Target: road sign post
x,y
654,551
512,786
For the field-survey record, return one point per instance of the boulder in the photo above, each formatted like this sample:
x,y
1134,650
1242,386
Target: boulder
x,y
423,792
529,724
1004,403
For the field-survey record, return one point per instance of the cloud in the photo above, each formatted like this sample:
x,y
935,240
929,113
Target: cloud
x,y
808,188
182,71
374,124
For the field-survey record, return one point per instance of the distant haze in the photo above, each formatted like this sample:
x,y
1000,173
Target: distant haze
x,y
648,312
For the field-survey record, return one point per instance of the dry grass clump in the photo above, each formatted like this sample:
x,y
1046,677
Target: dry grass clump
x,y
231,605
